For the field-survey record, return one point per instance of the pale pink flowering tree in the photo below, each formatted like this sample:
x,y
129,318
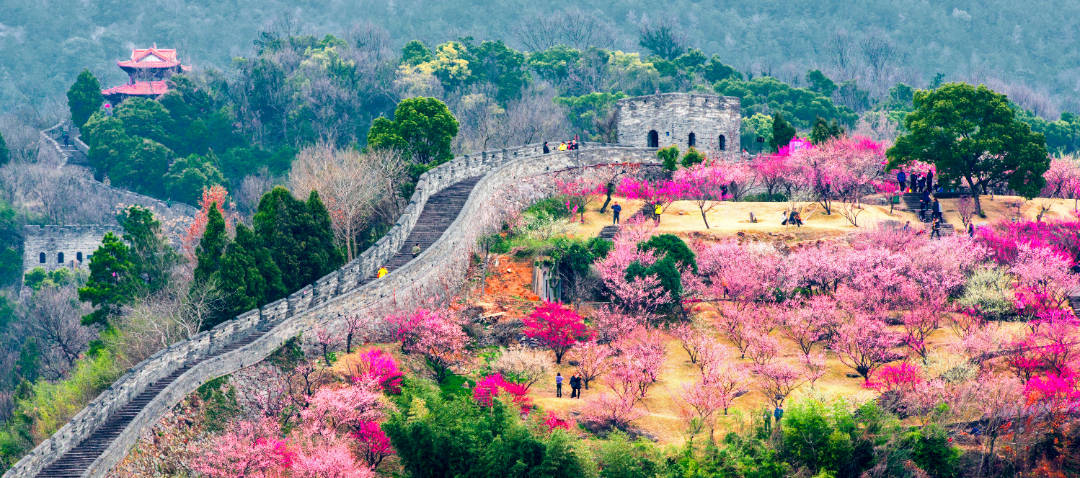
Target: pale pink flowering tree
x,y
612,322
435,334
743,273
1063,179
864,344
608,411
354,326
1044,271
774,172
637,366
704,184
808,323
776,380
556,326
820,268
844,169
641,296
326,341
692,339
742,324
761,348
815,366
247,448
337,410
593,360
328,459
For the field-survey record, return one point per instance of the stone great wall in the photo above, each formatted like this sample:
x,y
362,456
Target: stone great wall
x,y
100,435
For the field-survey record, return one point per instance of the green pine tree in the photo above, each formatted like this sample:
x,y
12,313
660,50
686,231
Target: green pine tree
x,y
298,236
211,247
782,131
248,276
84,98
112,282
151,254
5,153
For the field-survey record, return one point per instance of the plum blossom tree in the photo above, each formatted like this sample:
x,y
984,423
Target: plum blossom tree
x,y
1063,179
808,323
378,365
841,169
247,448
743,273
342,409
556,326
435,334
608,411
776,380
524,365
774,172
864,344
491,386
642,295
610,322
692,339
704,184
594,360
902,376
637,366
579,192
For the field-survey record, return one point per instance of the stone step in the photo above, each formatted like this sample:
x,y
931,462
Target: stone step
x,y
439,212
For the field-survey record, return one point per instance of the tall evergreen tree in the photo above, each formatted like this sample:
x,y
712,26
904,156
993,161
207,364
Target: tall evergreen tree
x,y
248,276
782,132
824,130
5,153
298,236
113,280
211,247
84,98
151,254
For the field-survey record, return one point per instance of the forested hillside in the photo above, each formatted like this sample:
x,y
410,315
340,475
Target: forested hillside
x,y
1002,43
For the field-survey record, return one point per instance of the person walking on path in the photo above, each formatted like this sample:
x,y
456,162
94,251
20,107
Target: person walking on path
x,y
382,272
575,386
656,212
935,228
546,148
615,210
930,180
901,179
416,249
937,209
558,384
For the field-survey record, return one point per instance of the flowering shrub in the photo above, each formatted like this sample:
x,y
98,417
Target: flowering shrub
x,y
556,326
553,422
491,386
375,364
903,376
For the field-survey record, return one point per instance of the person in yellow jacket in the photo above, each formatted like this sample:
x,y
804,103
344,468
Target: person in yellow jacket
x,y
382,272
656,211
562,146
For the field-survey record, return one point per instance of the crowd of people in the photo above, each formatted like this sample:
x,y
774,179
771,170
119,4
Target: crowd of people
x,y
569,145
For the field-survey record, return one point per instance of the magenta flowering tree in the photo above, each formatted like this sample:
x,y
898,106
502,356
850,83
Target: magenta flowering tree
x,y
902,376
372,444
556,326
579,192
491,386
435,334
375,364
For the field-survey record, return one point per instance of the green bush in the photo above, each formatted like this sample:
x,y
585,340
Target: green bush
x,y
931,450
669,156
438,435
764,197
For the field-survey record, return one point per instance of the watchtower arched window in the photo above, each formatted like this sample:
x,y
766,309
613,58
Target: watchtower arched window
x,y
78,256
654,139
59,257
723,142
691,140
41,258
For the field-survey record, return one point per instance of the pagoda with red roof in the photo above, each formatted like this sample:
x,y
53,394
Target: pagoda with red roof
x,y
148,69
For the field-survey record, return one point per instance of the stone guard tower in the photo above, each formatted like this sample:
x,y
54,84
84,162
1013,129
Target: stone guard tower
x,y
709,123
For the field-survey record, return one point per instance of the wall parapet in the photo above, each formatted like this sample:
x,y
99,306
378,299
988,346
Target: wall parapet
x,y
322,303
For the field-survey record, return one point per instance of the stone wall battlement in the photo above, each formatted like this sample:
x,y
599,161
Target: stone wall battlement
x,y
343,291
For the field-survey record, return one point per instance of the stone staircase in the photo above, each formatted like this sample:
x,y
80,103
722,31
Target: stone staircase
x,y
608,232
440,210
911,203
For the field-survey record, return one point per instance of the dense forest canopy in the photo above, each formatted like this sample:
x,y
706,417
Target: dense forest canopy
x,y
876,43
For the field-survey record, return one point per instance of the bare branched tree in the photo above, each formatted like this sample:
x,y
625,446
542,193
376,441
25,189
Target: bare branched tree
x,y
353,186
53,317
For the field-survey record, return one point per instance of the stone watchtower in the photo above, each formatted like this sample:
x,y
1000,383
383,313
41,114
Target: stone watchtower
x,y
53,247
709,123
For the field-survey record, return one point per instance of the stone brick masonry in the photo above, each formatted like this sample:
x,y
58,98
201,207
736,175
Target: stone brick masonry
x,y
674,117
